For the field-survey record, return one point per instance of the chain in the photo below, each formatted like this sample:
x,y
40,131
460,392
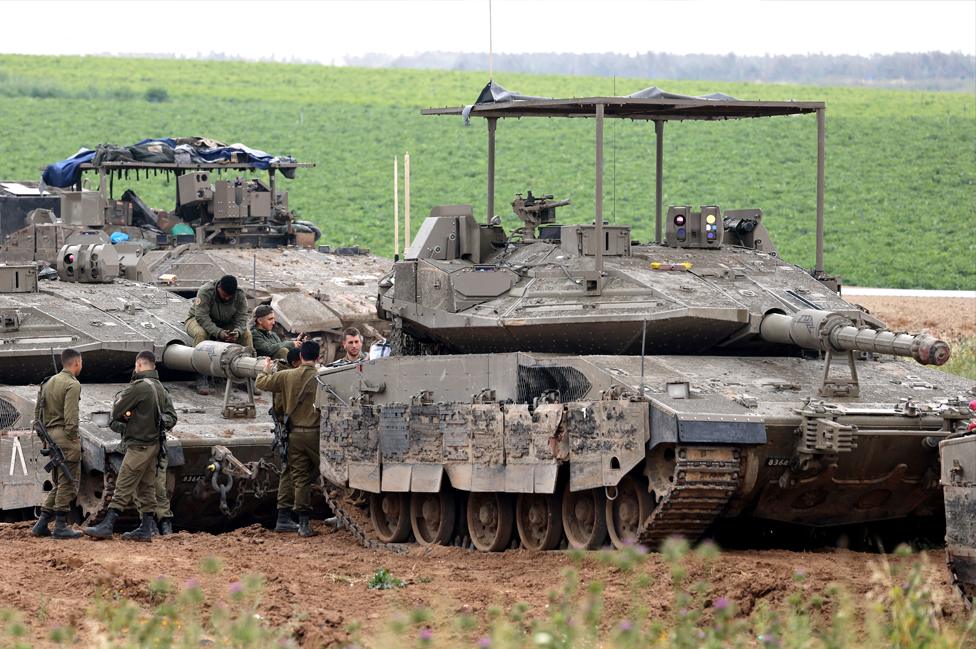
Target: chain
x,y
333,496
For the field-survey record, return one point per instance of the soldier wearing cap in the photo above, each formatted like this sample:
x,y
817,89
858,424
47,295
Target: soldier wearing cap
x,y
266,341
219,312
297,389
60,395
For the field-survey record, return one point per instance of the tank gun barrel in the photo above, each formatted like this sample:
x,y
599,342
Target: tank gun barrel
x,y
829,331
214,358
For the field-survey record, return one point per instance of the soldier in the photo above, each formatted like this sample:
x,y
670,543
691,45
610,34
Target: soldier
x,y
219,312
266,341
286,486
352,343
60,395
163,510
141,410
297,387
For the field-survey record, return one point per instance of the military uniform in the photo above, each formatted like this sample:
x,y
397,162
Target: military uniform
x,y
61,394
208,316
268,343
297,388
286,486
134,417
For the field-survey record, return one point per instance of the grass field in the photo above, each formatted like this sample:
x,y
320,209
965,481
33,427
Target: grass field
x,y
901,166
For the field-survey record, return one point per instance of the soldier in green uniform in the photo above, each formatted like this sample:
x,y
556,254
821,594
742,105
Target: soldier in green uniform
x,y
297,387
139,411
60,395
286,486
163,511
352,344
219,312
266,341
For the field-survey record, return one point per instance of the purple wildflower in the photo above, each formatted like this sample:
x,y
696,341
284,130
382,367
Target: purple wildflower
x,y
721,603
235,587
191,584
625,625
426,634
484,642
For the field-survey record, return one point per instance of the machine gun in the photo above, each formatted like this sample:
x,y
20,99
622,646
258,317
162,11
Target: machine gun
x,y
535,211
51,450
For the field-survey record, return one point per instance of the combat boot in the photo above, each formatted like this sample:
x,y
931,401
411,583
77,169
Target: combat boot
x,y
203,384
143,532
304,529
41,526
285,522
165,526
155,530
61,529
104,529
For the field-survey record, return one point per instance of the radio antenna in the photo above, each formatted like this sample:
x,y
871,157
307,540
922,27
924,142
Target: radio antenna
x,y
490,62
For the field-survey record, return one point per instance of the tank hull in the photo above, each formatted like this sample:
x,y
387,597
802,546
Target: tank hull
x,y
712,437
959,483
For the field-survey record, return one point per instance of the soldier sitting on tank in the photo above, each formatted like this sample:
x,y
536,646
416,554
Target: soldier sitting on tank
x,y
297,388
266,341
219,312
352,344
57,408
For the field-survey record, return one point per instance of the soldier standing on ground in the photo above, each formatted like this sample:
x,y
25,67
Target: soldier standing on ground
x,y
266,341
60,395
219,312
286,486
297,387
139,411
352,343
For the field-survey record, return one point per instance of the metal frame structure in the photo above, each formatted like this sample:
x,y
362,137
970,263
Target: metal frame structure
x,y
658,111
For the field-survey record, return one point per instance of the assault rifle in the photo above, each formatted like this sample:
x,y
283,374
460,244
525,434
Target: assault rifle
x,y
51,450
280,431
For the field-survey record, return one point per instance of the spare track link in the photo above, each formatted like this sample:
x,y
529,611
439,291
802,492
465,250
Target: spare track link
x,y
703,482
333,498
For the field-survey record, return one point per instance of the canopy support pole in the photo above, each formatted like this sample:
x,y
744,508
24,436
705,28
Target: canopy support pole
x,y
598,231
658,177
818,269
492,122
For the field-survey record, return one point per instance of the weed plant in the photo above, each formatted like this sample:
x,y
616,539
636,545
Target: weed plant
x,y
901,612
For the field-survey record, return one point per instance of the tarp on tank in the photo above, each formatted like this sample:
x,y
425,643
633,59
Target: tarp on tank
x,y
181,150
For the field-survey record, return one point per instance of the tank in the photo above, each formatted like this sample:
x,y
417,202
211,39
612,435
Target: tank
x,y
958,456
222,468
563,383
230,216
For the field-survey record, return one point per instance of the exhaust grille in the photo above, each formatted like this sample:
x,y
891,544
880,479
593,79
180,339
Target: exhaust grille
x,y
8,414
533,381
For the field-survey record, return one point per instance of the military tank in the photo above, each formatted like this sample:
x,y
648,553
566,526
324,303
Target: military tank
x,y
231,217
222,468
566,383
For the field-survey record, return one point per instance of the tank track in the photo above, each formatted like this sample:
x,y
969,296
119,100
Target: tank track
x,y
334,498
703,482
965,588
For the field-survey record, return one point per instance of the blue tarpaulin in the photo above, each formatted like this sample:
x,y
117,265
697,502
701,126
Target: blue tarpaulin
x,y
66,173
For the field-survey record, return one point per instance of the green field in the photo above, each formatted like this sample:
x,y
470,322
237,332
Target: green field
x,y
901,166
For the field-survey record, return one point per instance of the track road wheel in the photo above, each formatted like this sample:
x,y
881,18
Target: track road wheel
x,y
390,515
432,517
490,520
626,512
584,521
539,521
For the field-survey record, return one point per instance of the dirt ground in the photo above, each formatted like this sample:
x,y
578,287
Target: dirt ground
x,y
52,583
950,318
324,578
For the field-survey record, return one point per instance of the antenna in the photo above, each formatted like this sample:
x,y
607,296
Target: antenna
x,y
613,170
490,62
54,362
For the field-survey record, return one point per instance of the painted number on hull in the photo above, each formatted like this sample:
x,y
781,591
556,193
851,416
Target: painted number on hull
x,y
778,461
